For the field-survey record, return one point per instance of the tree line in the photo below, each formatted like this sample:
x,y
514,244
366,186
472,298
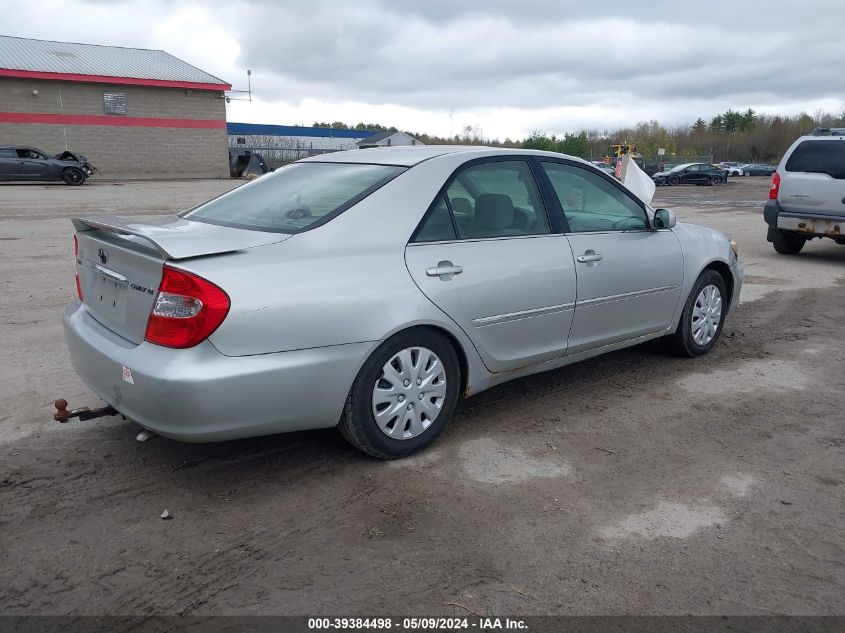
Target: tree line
x,y
737,135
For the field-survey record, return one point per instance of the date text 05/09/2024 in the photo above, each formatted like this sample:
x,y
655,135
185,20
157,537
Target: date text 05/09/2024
x,y
417,623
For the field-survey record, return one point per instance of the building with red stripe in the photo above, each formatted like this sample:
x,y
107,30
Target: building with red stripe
x,y
134,113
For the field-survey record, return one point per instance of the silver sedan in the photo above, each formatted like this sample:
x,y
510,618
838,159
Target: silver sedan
x,y
372,289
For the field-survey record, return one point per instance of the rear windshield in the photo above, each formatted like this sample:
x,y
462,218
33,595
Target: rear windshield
x,y
296,197
820,157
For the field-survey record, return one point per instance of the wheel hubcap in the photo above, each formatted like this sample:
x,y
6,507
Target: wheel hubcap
x,y
415,376
706,315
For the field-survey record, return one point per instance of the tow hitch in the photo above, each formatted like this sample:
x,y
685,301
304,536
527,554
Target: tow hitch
x,y
62,414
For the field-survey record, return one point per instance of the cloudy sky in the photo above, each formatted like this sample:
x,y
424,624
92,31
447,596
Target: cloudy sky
x,y
510,67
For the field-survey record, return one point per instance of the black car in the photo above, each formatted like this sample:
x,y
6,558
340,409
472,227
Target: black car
x,y
18,162
756,169
691,174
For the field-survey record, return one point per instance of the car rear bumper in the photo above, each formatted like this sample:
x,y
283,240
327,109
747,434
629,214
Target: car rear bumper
x,y
200,395
809,224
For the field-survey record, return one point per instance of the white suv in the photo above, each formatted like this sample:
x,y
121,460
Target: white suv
x,y
807,198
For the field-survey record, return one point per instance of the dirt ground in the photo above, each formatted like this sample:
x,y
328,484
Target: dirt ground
x,y
634,483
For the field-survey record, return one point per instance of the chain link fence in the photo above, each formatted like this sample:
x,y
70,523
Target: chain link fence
x,y
280,150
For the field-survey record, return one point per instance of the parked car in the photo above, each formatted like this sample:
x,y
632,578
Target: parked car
x,y
19,162
372,290
733,169
807,197
757,169
244,162
604,167
691,174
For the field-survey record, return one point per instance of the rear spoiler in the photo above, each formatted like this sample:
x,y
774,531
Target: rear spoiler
x,y
174,237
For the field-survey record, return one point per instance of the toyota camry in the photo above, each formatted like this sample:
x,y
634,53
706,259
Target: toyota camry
x,y
371,289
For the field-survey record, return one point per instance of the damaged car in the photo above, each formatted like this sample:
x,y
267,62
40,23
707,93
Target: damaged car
x,y
22,163
370,291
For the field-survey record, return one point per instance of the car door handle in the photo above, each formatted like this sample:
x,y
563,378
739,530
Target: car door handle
x,y
445,270
589,257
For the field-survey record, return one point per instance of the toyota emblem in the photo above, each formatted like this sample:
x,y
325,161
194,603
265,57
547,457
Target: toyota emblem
x,y
103,256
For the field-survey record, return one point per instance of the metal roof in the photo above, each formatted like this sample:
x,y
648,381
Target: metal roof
x,y
24,57
377,138
260,129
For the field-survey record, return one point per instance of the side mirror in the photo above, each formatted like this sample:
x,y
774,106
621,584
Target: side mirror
x,y
664,219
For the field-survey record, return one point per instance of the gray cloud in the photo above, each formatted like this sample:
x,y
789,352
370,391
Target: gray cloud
x,y
541,54
558,63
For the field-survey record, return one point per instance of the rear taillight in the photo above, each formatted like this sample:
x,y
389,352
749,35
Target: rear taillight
x,y
186,311
773,192
76,266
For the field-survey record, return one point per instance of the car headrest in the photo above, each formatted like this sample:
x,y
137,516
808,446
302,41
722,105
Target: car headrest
x,y
461,205
493,211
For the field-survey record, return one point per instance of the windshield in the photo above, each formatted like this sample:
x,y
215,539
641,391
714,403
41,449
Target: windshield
x,y
681,167
296,197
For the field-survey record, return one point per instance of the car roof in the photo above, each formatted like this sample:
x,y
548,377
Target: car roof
x,y
822,137
21,147
408,156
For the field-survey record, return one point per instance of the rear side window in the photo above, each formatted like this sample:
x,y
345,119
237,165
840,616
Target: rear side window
x,y
438,225
819,157
295,198
497,199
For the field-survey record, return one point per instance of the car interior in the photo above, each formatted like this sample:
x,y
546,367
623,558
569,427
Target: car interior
x,y
500,200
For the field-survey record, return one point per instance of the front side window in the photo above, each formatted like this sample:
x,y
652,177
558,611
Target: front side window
x,y
29,153
591,203
295,198
497,199
818,157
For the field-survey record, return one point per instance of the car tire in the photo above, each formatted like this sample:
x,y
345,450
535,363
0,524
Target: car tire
x,y
674,180
703,316
788,243
405,426
715,180
73,176
746,173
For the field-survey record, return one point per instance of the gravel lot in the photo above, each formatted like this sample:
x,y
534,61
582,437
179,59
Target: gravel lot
x,y
633,483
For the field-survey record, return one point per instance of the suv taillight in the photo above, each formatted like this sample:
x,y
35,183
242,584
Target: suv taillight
x,y
186,311
76,267
773,192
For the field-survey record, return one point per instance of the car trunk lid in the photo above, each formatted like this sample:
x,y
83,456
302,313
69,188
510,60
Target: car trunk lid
x,y
119,262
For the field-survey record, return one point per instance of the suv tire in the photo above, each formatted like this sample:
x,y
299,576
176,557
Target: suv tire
x,y
788,243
